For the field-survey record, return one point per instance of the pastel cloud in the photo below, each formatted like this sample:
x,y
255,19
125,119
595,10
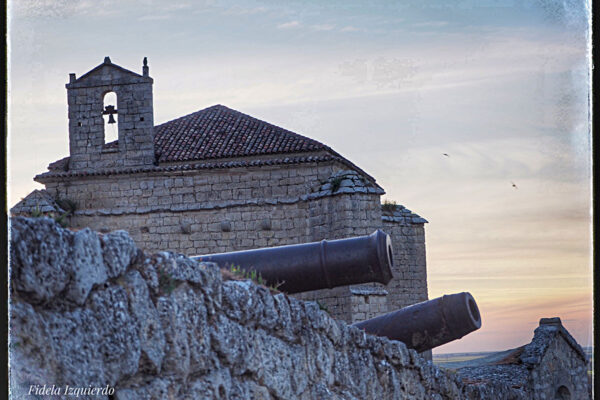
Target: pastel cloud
x,y
289,25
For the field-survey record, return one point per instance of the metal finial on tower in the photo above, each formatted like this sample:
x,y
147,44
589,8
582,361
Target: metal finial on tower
x,y
145,69
107,60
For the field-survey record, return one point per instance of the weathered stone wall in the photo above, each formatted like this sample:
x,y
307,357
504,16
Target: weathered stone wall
x,y
561,373
89,310
203,211
410,269
552,366
182,191
409,285
211,231
366,304
220,210
340,217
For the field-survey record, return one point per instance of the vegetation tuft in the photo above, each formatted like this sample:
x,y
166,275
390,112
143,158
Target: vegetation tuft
x,y
36,212
323,307
235,272
388,206
166,283
61,219
335,184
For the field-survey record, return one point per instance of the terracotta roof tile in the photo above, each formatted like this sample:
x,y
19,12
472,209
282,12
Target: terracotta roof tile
x,y
220,132
195,166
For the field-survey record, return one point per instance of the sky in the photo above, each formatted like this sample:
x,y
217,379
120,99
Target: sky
x,y
501,87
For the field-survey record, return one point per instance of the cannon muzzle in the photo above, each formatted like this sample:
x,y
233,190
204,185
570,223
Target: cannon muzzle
x,y
429,324
319,265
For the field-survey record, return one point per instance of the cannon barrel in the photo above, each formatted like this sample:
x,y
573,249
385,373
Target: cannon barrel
x,y
319,265
429,324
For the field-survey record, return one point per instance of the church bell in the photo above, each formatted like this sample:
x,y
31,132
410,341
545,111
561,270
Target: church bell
x,y
110,110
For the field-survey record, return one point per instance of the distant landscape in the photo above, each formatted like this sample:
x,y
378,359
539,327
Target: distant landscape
x,y
450,358
454,361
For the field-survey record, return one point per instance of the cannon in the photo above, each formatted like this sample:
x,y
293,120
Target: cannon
x,y
429,324
318,265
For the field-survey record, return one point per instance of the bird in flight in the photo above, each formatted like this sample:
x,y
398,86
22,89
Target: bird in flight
x,y
513,185
446,154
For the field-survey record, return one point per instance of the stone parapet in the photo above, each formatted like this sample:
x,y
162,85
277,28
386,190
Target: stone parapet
x,y
164,326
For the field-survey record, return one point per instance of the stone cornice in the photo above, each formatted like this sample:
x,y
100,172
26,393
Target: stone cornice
x,y
53,176
205,206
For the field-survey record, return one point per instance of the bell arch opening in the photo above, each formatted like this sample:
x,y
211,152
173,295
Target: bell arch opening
x,y
111,118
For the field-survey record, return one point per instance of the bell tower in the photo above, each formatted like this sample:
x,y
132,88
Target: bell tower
x,y
91,121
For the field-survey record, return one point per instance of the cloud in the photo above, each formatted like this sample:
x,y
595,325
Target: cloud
x,y
99,8
49,8
154,17
430,24
349,28
239,10
177,6
323,27
384,72
289,25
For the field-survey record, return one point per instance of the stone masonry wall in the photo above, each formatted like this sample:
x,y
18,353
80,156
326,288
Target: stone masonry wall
x,y
369,304
547,384
340,217
552,366
248,227
192,190
410,267
220,210
89,310
211,231
199,212
203,212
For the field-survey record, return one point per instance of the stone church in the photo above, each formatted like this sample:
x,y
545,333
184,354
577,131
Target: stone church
x,y
219,180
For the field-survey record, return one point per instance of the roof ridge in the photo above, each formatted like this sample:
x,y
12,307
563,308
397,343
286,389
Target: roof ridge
x,y
195,136
542,336
242,114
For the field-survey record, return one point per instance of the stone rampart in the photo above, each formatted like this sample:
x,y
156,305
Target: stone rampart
x,y
90,310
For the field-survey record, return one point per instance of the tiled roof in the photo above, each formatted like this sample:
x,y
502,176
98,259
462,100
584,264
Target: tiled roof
x,y
194,166
347,181
514,366
220,132
59,165
39,200
201,138
398,213
513,375
544,334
